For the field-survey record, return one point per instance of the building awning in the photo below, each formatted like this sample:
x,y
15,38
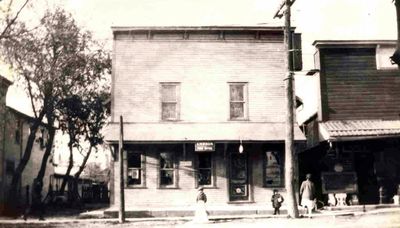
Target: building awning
x,y
180,132
359,129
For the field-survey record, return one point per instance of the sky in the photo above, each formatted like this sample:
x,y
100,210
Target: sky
x,y
315,19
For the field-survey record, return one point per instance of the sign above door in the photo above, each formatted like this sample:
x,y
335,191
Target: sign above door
x,y
204,146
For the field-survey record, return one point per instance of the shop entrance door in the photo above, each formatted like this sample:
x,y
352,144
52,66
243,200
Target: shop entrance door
x,y
238,178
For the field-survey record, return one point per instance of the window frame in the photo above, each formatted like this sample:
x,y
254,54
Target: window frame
x,y
177,100
212,168
142,168
175,169
245,101
281,157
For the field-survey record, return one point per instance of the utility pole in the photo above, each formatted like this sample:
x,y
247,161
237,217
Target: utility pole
x,y
397,5
395,58
290,160
121,211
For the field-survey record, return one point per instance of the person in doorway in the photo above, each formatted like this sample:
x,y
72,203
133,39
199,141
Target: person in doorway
x,y
200,215
276,200
307,193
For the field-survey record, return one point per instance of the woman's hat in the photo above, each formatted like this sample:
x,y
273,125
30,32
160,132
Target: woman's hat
x,y
200,188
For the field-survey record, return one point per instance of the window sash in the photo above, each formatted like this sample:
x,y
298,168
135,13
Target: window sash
x,y
135,173
169,110
237,100
169,93
236,92
167,170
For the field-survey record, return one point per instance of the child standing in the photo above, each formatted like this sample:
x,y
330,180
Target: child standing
x,y
276,200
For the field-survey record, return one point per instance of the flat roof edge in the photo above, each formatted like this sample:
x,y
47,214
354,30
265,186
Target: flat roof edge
x,y
325,43
197,28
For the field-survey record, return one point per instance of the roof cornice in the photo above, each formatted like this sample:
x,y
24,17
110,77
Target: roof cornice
x,y
197,28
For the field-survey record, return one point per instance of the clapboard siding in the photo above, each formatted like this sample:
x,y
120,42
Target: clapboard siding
x,y
355,89
203,69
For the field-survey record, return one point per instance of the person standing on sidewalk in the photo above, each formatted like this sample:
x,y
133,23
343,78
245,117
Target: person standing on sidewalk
x,y
200,215
276,200
307,193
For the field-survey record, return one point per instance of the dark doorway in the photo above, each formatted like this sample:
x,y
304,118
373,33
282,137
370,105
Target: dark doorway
x,y
238,180
366,178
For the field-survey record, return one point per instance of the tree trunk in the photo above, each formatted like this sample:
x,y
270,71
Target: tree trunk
x,y
16,178
46,155
83,165
67,174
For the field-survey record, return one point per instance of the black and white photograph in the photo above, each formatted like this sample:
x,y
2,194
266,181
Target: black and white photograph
x,y
188,113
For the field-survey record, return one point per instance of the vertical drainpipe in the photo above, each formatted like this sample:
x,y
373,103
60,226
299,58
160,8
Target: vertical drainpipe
x,y
2,158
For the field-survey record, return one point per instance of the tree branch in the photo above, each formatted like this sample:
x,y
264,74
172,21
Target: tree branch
x,y
12,20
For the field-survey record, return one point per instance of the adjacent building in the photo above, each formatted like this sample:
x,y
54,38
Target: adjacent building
x,y
353,124
14,131
201,106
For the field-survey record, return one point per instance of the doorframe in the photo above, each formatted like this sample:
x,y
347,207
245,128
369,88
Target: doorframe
x,y
228,151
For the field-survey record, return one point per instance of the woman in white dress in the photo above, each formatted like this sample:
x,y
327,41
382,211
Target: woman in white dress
x,y
200,215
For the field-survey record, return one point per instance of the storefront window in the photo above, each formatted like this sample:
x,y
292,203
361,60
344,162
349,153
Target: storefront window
x,y
135,163
167,169
204,169
273,169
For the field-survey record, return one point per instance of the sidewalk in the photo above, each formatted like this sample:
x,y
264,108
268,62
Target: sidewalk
x,y
89,217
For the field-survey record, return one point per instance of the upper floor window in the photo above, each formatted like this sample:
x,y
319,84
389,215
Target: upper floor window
x,y
169,101
168,170
136,169
238,101
383,53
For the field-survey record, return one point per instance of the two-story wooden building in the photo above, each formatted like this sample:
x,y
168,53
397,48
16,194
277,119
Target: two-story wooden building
x,y
202,106
354,134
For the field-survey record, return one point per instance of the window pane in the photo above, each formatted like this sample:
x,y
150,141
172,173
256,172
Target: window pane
x,y
167,177
168,92
236,93
134,160
237,110
134,176
169,111
166,161
204,177
273,169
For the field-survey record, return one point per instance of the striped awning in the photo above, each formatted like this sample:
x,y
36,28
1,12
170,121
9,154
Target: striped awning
x,y
358,129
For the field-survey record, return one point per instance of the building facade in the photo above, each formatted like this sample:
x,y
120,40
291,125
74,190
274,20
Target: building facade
x,y
201,106
353,136
14,133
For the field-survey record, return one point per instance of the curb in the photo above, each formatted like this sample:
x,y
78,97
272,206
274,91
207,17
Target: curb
x,y
211,218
